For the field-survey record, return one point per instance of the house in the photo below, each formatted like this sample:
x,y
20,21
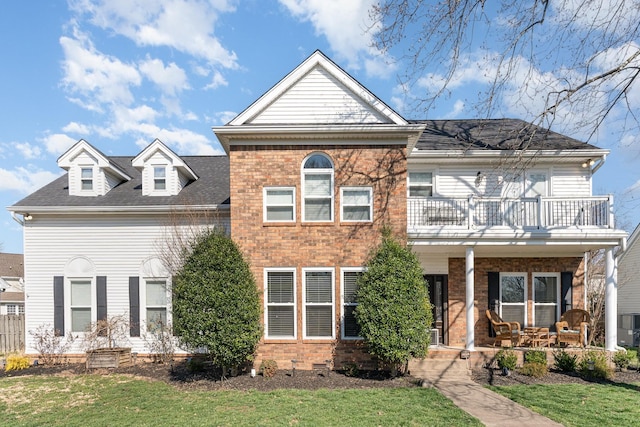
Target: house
x,y
11,284
629,292
499,212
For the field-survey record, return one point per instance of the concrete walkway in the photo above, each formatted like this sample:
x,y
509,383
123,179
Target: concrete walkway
x,y
490,408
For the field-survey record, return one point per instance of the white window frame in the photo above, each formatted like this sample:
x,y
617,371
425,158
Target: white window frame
x,y
319,171
343,204
12,309
292,304
558,292
90,181
69,308
143,299
332,304
156,179
421,185
267,205
525,296
344,304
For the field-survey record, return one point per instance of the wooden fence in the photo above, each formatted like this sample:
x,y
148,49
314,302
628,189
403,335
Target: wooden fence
x,y
11,333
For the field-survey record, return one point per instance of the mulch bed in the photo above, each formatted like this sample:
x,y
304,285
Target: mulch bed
x,y
209,379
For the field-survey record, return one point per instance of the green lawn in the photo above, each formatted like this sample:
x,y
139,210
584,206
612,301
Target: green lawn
x,y
92,400
580,405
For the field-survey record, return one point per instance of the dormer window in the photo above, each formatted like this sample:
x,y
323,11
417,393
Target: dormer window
x,y
159,178
86,176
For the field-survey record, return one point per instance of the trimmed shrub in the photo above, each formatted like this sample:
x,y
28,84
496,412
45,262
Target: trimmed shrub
x,y
564,361
534,369
16,362
593,365
506,358
536,356
268,368
621,359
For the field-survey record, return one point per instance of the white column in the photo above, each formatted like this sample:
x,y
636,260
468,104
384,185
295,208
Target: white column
x,y
470,306
611,301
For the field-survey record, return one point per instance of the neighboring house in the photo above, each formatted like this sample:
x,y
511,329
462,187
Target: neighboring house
x,y
11,284
629,293
500,214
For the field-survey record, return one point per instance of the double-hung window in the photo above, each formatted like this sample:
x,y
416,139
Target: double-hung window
x,y
318,303
156,303
80,304
546,294
420,184
86,178
513,297
280,303
159,178
279,204
350,328
356,204
317,184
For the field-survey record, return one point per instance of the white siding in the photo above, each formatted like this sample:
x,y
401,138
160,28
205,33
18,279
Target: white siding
x,y
75,184
318,98
158,159
116,245
568,181
629,280
111,181
434,263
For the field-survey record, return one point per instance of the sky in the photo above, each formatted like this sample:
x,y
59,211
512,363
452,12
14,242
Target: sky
x,y
121,73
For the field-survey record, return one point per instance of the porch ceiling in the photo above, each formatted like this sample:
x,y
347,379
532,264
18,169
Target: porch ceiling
x,y
513,250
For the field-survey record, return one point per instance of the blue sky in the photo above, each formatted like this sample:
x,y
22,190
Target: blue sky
x,y
121,73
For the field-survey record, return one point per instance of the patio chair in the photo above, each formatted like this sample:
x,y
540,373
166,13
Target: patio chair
x,y
504,330
572,327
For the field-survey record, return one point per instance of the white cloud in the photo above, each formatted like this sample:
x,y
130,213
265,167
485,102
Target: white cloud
x,y
97,77
348,28
58,143
171,79
27,150
216,81
184,25
25,180
224,117
74,127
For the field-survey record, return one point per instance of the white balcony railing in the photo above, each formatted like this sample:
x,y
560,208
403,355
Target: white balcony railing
x,y
535,212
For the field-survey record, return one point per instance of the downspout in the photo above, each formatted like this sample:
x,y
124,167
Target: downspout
x,y
600,163
16,219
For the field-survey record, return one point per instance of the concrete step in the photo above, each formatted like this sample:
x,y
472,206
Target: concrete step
x,y
440,369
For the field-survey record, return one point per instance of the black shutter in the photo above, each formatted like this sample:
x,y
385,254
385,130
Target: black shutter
x,y
134,306
101,296
566,296
494,295
58,305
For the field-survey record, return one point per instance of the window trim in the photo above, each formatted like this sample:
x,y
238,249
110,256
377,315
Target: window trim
x,y
525,296
143,300
69,308
332,304
432,185
267,304
344,270
266,205
90,181
343,205
546,304
156,180
320,171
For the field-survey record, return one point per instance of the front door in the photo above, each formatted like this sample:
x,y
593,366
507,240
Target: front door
x,y
438,295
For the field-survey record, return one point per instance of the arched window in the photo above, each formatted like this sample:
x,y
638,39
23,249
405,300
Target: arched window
x,y
317,188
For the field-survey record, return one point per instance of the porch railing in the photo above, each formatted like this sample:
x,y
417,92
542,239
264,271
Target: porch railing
x,y
533,212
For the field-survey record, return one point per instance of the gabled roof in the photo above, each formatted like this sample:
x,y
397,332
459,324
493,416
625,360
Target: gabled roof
x,y
139,161
631,242
354,103
66,159
11,265
211,189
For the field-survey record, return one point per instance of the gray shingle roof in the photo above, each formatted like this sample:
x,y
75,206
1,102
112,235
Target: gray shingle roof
x,y
492,134
11,265
212,188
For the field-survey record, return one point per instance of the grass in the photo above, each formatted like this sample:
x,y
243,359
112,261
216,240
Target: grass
x,y
120,400
580,405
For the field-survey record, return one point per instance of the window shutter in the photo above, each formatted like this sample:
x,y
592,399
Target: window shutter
x,y
566,285
134,306
58,305
101,295
494,295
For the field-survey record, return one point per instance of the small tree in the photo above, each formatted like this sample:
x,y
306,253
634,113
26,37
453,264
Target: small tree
x,y
216,305
394,312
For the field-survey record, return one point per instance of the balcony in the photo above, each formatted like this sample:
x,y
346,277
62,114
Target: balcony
x,y
534,213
